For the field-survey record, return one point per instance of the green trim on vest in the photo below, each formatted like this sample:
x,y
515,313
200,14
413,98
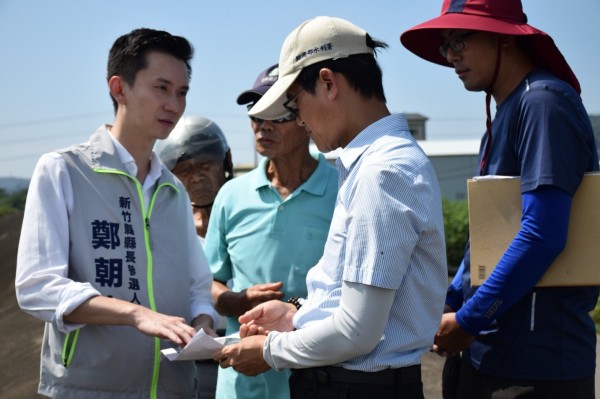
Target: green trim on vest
x,y
148,239
148,242
69,347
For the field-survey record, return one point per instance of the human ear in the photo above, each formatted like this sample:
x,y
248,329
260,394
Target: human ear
x,y
331,81
115,85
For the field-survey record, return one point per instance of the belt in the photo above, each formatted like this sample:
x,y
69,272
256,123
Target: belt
x,y
331,374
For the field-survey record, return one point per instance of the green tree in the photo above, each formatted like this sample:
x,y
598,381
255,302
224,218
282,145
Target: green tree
x,y
456,227
10,203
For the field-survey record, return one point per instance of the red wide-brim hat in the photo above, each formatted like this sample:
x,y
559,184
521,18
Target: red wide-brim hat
x,y
504,17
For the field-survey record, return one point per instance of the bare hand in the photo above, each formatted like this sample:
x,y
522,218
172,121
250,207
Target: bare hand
x,y
162,326
245,357
260,293
110,311
269,316
247,330
230,303
450,338
204,322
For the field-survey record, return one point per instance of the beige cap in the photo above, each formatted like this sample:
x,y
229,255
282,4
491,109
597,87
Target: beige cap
x,y
315,40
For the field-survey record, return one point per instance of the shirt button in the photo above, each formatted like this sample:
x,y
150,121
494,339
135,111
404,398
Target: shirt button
x,y
280,208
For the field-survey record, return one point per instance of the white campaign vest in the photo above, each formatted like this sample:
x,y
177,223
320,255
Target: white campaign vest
x,y
127,252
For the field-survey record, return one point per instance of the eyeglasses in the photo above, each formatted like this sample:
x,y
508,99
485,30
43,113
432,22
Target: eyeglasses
x,y
457,44
291,105
305,81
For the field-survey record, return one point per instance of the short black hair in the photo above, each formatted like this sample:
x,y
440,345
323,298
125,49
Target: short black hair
x,y
361,70
127,55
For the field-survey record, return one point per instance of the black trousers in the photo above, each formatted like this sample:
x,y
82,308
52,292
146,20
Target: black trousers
x,y
336,382
474,385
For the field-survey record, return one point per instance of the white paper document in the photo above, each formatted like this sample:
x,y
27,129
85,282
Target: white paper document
x,y
201,347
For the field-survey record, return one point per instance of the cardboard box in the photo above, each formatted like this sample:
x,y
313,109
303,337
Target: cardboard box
x,y
495,217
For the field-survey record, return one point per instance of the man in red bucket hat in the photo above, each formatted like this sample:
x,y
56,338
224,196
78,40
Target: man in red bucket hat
x,y
517,339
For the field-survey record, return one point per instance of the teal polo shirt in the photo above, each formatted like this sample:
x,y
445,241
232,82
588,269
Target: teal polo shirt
x,y
256,237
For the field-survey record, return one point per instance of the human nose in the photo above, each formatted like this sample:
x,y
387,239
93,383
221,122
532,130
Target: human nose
x,y
175,104
195,175
266,124
452,55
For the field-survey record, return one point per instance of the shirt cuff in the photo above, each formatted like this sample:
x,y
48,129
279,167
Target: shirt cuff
x,y
71,298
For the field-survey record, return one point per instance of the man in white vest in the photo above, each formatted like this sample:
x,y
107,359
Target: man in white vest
x,y
108,255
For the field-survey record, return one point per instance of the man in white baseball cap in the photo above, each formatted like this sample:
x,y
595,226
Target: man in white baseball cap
x,y
307,45
376,296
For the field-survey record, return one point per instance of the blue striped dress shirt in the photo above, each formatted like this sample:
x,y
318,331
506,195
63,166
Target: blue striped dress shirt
x,y
387,231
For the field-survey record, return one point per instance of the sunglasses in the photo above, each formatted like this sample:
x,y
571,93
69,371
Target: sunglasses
x,y
284,119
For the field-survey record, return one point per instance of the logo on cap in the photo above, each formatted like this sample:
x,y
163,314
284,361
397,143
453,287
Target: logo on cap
x,y
314,51
271,77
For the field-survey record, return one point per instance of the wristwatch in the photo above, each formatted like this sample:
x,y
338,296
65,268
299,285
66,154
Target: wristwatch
x,y
296,301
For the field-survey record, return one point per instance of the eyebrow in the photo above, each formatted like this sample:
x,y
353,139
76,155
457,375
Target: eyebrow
x,y
168,82
163,80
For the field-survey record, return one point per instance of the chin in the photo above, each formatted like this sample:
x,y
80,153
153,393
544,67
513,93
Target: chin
x,y
473,86
206,194
163,136
322,148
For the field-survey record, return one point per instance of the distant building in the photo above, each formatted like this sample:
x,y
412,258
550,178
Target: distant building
x,y
454,162
416,125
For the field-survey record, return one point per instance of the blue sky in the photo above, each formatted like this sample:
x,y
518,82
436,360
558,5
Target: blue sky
x,y
54,60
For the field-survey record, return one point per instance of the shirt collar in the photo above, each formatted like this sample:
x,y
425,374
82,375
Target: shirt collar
x,y
260,177
316,183
353,151
129,163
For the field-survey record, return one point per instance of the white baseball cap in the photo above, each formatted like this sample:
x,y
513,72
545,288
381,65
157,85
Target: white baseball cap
x,y
315,40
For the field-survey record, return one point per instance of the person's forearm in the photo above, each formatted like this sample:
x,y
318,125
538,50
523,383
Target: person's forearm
x,y
353,330
109,311
227,302
540,240
104,310
231,303
454,295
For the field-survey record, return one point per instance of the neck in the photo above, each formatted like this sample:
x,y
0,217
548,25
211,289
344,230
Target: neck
x,y
201,217
514,68
287,174
138,145
361,114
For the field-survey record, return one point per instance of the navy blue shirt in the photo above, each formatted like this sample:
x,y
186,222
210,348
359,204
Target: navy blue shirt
x,y
542,133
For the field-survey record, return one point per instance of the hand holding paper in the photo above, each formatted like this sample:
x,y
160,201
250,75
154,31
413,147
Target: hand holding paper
x,y
201,347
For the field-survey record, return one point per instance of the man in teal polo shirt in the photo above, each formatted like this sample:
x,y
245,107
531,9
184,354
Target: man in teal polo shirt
x,y
266,230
